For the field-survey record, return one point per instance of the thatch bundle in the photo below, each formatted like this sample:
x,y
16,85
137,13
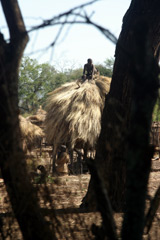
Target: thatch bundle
x,y
30,134
74,113
39,118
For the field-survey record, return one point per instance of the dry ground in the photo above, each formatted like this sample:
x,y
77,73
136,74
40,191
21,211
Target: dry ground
x,y
66,194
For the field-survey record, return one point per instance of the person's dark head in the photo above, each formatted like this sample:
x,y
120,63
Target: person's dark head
x,y
89,61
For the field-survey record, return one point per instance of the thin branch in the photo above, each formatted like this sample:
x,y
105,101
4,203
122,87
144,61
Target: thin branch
x,y
84,19
105,31
51,21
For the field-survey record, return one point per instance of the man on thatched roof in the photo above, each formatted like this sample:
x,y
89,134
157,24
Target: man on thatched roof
x,y
89,70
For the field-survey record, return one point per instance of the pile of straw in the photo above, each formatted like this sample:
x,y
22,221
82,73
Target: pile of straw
x,y
31,134
39,118
74,113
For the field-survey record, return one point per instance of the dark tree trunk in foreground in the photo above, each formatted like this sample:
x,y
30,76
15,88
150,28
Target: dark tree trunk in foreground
x,y
139,152
118,114
13,167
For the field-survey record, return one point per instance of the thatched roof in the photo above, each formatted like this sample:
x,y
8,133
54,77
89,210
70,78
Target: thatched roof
x,y
39,118
30,133
74,113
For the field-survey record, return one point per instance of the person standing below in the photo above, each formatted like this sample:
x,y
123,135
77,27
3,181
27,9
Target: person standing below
x,y
62,161
89,70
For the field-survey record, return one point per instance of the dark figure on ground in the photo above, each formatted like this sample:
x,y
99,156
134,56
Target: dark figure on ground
x,y
62,161
40,175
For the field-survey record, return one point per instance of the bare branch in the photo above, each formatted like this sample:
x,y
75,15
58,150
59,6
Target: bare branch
x,y
73,17
50,22
105,31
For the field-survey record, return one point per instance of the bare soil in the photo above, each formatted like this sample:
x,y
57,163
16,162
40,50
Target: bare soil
x,y
67,219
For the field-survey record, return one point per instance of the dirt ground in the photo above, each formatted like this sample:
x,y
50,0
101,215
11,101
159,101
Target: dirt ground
x,y
69,222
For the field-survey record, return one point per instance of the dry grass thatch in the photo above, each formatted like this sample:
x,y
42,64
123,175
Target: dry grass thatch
x,y
38,118
30,133
74,113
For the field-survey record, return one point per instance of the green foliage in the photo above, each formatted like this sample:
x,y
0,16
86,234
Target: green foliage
x,y
35,81
109,62
74,74
106,69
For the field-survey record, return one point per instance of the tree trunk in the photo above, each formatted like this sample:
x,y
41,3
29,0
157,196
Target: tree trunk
x,y
116,119
13,167
139,152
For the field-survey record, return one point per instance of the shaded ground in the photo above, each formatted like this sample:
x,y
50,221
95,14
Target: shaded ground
x,y
69,222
